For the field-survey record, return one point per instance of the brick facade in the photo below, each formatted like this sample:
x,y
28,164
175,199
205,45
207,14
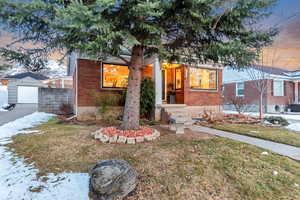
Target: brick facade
x,y
288,97
88,74
202,97
59,83
251,95
4,82
89,81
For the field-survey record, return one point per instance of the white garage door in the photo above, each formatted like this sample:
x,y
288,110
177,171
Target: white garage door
x,y
27,94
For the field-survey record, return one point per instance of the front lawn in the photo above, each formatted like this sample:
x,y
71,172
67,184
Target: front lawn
x,y
193,166
275,134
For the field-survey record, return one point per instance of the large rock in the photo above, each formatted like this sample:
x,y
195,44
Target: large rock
x,y
111,180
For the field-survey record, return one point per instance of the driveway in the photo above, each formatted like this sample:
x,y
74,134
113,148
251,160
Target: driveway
x,y
18,112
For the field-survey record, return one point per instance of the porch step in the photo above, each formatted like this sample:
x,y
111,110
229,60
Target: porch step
x,y
174,111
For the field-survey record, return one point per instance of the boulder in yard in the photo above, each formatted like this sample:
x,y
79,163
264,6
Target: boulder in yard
x,y
111,180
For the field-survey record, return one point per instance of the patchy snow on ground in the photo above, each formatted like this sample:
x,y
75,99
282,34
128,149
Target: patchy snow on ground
x,y
291,118
19,180
294,127
255,114
3,95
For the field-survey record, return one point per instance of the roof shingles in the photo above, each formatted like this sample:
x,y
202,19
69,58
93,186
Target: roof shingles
x,y
28,74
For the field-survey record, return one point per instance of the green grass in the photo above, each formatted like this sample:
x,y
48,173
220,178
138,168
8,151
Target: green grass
x,y
275,134
172,167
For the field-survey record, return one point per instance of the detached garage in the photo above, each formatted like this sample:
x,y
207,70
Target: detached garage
x,y
28,94
23,88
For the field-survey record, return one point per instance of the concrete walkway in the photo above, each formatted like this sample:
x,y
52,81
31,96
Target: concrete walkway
x,y
18,112
282,149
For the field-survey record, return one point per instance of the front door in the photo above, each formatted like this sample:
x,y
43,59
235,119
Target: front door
x,y
179,85
173,84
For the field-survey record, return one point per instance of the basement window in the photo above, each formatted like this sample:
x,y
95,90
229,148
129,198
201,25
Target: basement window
x,y
114,76
203,79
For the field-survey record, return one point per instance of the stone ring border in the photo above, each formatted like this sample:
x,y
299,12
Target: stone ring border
x,y
98,135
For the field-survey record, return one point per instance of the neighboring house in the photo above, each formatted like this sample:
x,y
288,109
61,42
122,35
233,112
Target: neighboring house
x,y
177,87
61,82
282,88
23,88
4,82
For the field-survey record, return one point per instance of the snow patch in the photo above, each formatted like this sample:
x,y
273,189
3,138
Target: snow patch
x,y
3,96
294,127
293,117
275,172
256,114
19,180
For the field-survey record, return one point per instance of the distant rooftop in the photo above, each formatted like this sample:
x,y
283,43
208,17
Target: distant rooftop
x,y
277,71
28,74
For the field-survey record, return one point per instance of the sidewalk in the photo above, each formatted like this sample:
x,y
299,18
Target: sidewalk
x,y
282,149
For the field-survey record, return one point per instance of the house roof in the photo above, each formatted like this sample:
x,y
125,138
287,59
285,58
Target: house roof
x,y
272,70
28,74
231,75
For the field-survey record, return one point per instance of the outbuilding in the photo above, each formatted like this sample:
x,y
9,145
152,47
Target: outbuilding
x,y
23,88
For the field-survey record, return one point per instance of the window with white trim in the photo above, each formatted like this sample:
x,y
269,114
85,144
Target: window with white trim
x,y
278,88
240,88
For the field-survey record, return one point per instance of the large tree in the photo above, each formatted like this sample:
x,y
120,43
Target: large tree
x,y
186,31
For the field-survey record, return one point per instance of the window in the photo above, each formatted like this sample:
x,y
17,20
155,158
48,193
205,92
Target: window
x,y
178,79
240,88
203,79
114,76
278,88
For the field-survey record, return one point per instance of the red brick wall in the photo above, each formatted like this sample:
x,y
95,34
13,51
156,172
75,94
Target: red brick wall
x,y
4,82
147,71
252,95
57,83
201,97
281,100
89,81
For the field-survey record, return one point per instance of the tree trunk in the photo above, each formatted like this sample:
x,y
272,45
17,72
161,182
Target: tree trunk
x,y
261,106
131,116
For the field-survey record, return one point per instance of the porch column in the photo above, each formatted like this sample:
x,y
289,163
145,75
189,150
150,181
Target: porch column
x,y
158,82
158,88
296,92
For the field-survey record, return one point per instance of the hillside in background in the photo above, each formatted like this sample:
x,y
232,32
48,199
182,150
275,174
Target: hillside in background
x,y
53,70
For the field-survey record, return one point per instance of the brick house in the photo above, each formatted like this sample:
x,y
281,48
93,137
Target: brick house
x,y
61,82
193,90
282,89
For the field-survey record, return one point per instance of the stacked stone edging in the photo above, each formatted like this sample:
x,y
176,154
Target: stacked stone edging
x,y
122,139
